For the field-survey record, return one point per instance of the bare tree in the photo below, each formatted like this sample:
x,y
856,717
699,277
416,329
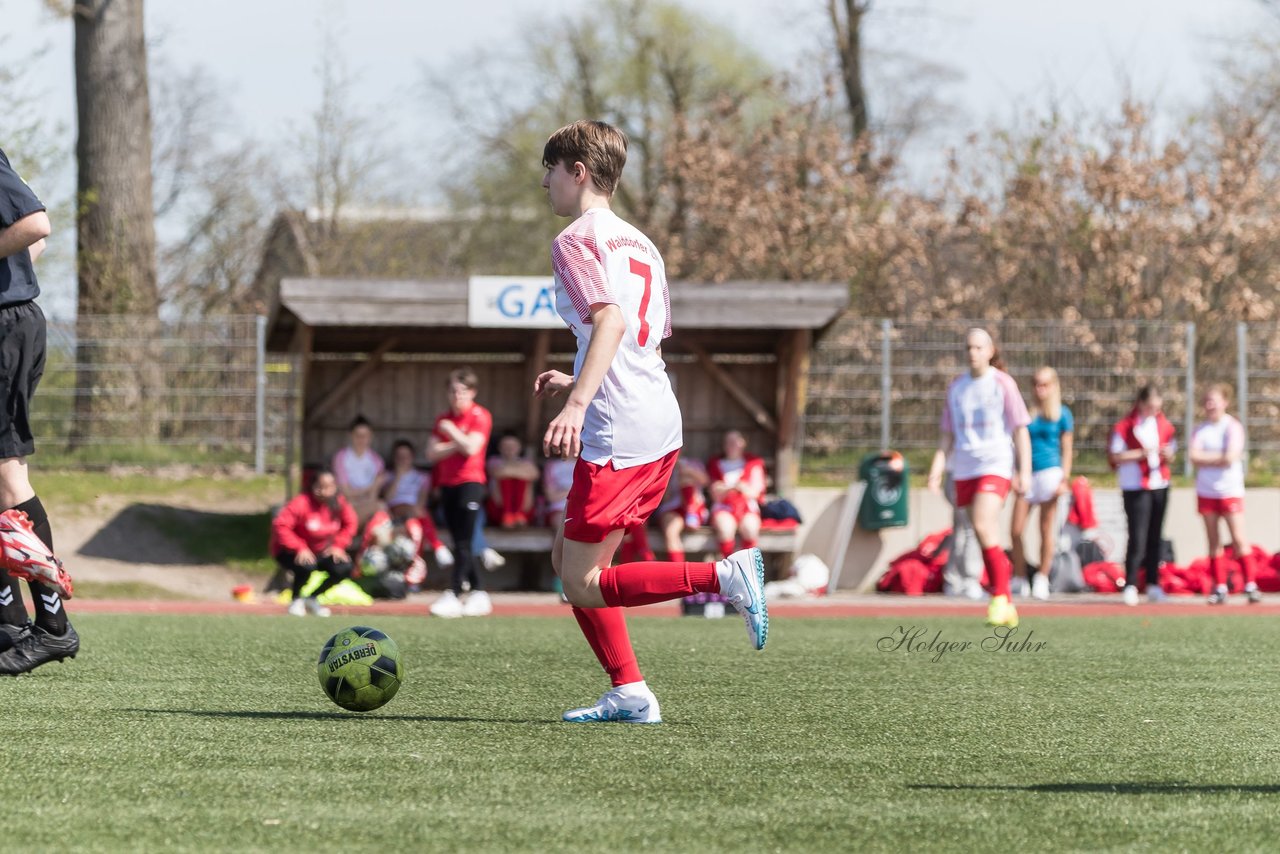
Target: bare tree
x,y
116,224
345,155
646,66
896,76
212,206
116,244
846,28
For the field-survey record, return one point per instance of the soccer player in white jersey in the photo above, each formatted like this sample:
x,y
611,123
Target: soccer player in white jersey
x,y
1216,450
620,420
984,430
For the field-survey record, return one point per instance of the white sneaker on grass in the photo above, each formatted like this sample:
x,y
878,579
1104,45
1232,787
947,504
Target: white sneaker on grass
x,y
741,577
478,604
314,608
632,703
491,559
448,605
297,608
1131,595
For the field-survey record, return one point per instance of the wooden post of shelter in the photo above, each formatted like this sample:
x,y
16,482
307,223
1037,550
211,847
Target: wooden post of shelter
x,y
300,347
536,365
793,379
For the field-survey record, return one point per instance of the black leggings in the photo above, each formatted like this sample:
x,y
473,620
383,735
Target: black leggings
x,y
1145,511
302,574
462,504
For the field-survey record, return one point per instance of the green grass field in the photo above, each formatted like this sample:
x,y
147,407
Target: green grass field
x,y
211,733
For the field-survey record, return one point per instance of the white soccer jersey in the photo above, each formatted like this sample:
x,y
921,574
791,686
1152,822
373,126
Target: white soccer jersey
x,y
982,415
634,418
409,486
1219,481
357,471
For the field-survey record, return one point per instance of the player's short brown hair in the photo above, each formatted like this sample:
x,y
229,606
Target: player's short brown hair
x,y
601,147
465,377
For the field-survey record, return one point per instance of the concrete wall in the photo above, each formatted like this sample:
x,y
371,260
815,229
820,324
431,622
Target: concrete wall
x,y
869,553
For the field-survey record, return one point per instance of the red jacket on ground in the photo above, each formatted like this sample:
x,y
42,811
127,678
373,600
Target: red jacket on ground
x,y
307,522
1082,514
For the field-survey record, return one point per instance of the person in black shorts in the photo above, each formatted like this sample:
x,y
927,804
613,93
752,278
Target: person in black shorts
x,y
26,540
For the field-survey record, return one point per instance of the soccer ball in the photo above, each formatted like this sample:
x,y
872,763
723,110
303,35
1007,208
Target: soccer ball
x,y
360,669
373,561
401,553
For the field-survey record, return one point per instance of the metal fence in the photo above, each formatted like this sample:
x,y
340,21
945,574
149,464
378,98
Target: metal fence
x,y
214,396
880,384
1258,385
163,392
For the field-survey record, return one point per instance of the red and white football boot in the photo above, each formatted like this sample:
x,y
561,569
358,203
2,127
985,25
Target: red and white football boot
x,y
23,554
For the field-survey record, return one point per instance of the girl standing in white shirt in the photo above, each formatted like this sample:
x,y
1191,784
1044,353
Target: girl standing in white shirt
x,y
1216,451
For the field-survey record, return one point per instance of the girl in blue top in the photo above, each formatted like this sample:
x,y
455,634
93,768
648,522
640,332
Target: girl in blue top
x,y
1051,441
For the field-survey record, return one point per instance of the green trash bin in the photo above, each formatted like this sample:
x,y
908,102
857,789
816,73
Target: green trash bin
x,y
884,503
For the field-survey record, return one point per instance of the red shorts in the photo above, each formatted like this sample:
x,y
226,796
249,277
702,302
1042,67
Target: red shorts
x,y
966,489
604,499
736,505
1219,506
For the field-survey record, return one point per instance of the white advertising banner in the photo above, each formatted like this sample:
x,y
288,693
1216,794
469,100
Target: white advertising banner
x,y
519,301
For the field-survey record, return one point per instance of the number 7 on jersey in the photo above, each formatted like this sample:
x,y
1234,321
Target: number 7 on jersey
x,y
644,271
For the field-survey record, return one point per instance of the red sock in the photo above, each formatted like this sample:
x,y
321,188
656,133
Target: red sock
x,y
676,557
606,631
749,544
726,548
1250,567
999,569
645,583
1218,563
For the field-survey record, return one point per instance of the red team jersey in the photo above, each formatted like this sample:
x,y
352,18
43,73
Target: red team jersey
x,y
307,522
456,469
634,418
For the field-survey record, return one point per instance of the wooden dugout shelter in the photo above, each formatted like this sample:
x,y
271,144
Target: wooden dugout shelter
x,y
739,358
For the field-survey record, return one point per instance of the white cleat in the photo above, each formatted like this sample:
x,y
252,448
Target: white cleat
x,y
1040,586
629,704
741,577
448,605
478,604
297,608
315,609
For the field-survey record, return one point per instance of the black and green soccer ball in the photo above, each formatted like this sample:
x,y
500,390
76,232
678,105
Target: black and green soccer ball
x,y
360,668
